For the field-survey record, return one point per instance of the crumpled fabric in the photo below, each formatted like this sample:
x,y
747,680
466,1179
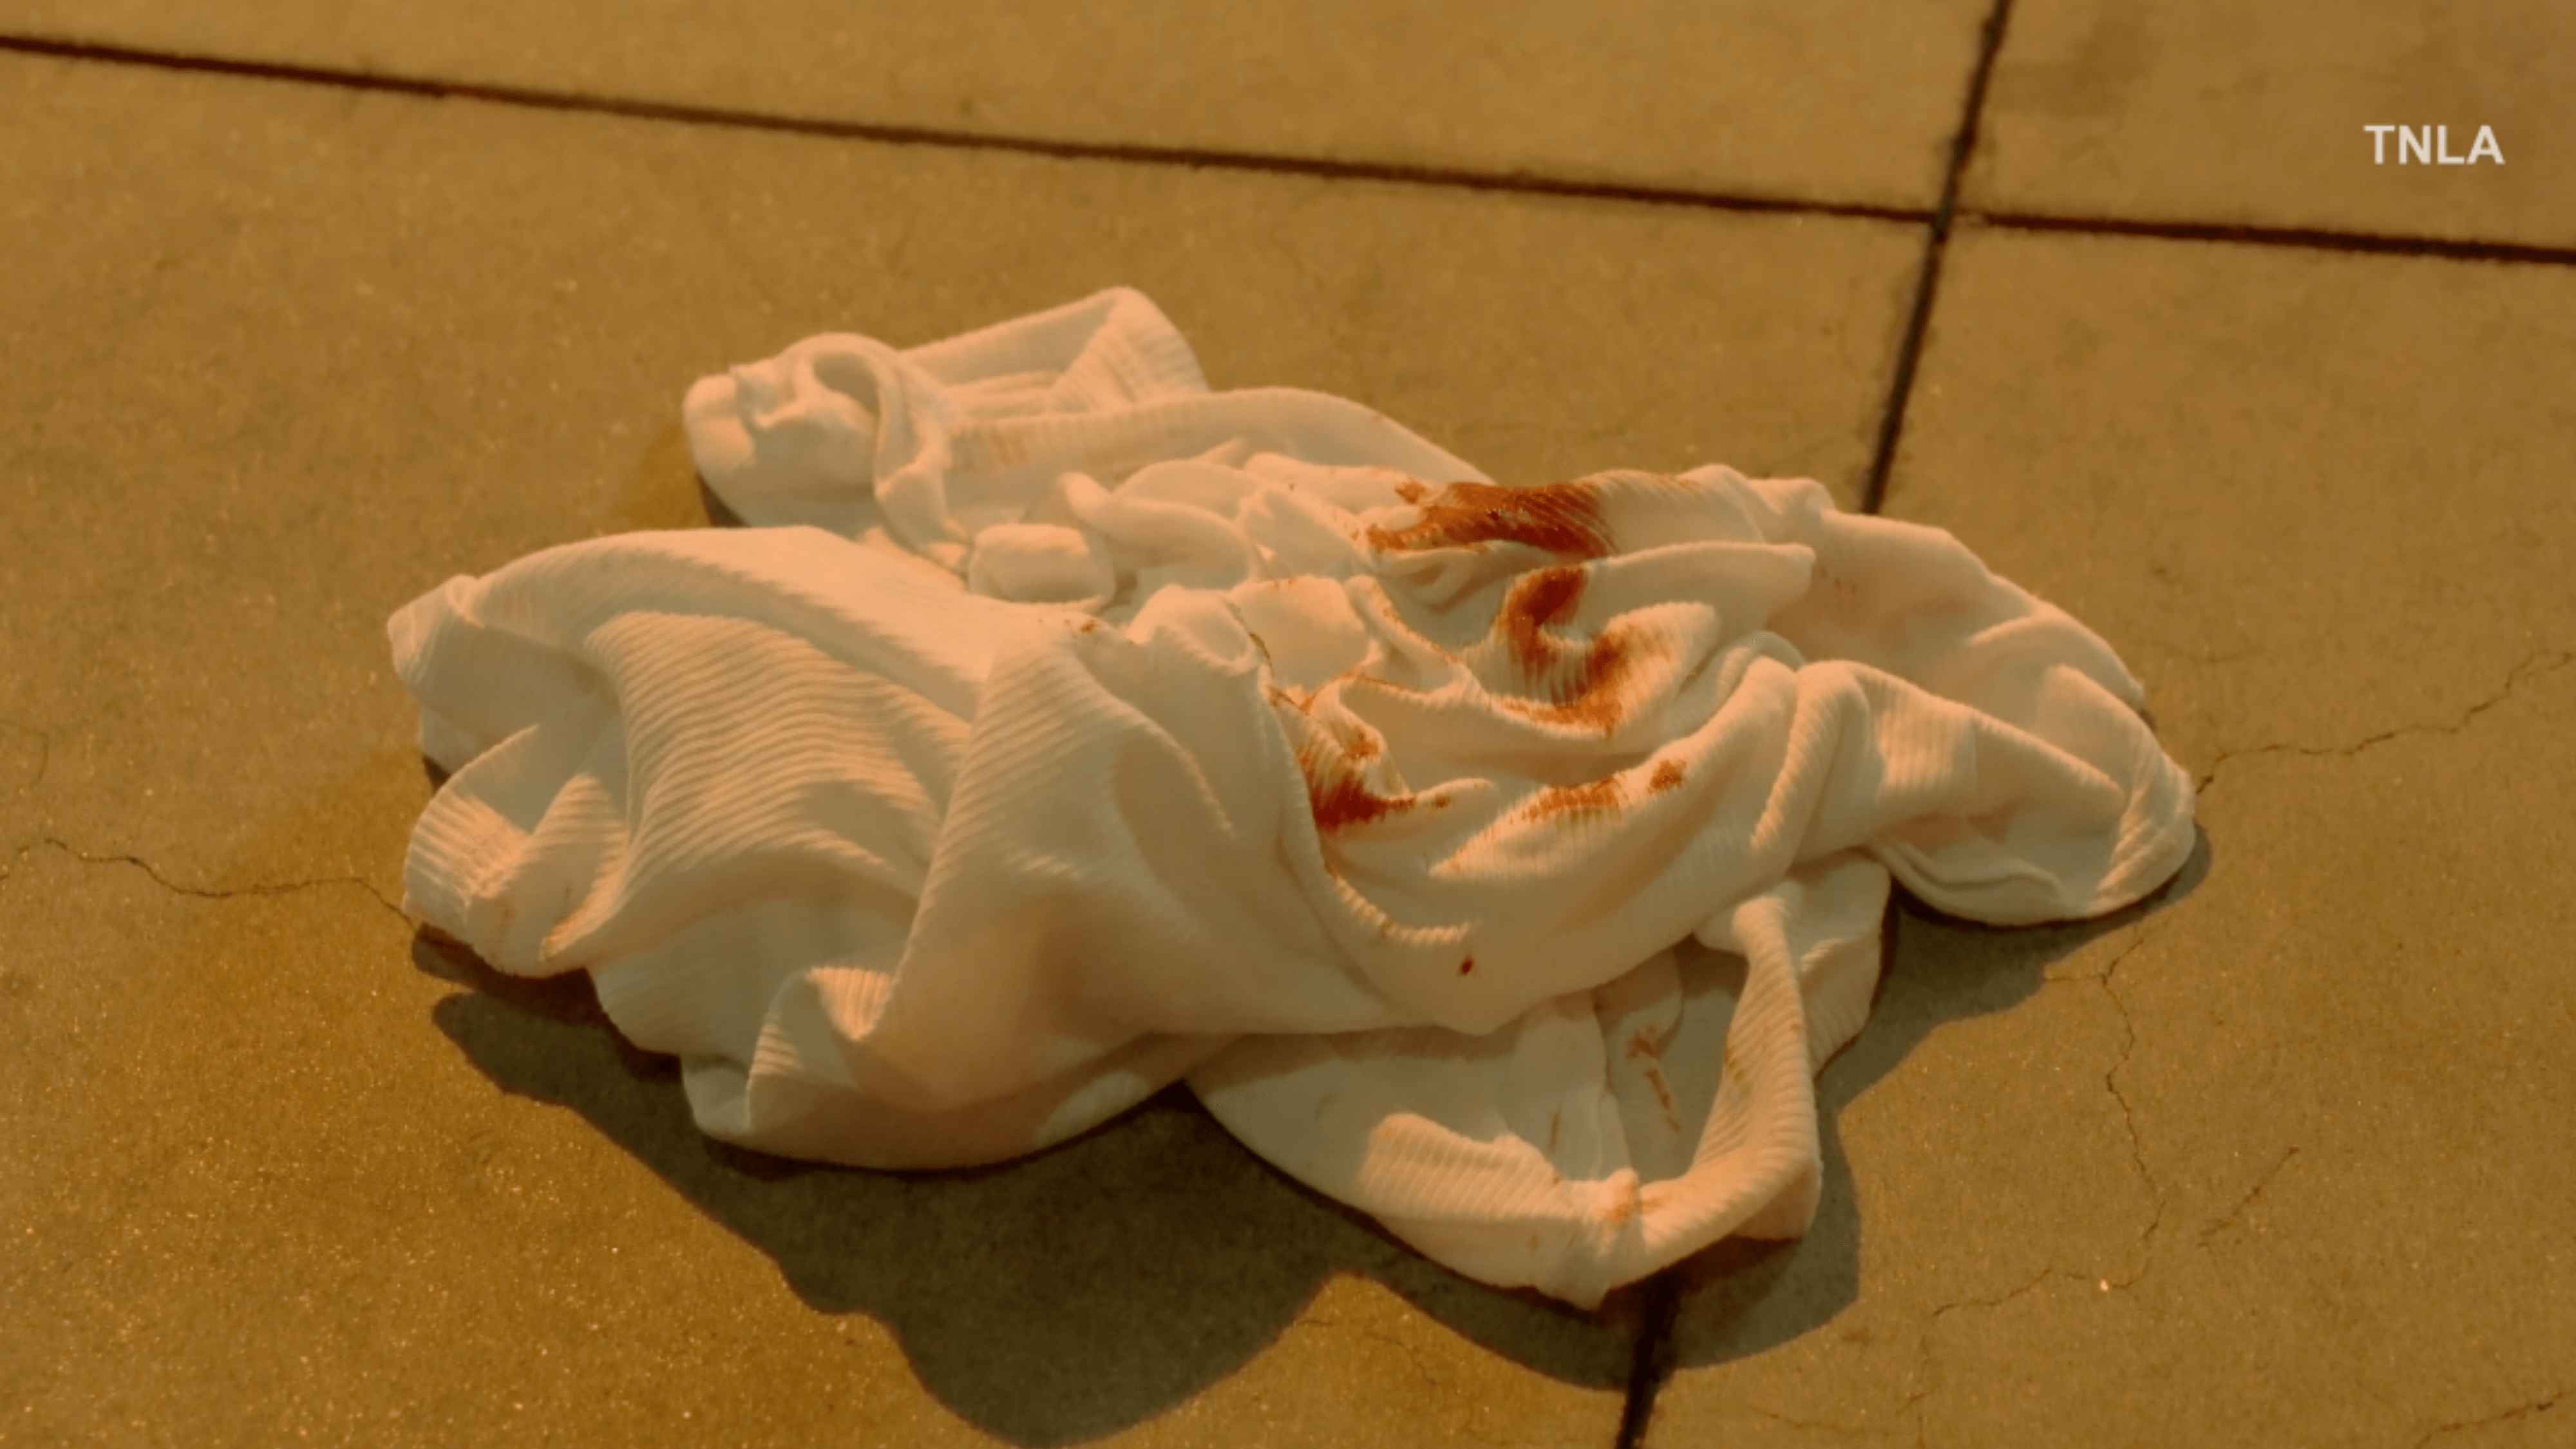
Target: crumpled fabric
x,y
1503,862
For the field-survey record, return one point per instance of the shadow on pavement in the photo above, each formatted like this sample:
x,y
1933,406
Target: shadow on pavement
x,y
1090,1287
1056,1298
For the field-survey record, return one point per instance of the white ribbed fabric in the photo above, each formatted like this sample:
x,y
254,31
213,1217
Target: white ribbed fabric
x,y
1501,861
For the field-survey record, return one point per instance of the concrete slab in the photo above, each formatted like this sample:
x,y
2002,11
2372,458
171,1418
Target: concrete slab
x,y
315,351
1737,96
2209,111
2277,1160
2310,497
280,357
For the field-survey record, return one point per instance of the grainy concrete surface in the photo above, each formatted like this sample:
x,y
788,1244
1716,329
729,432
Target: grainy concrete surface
x,y
1740,95
2280,1157
2213,111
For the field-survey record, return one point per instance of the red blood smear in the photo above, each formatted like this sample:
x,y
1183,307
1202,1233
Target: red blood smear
x,y
1599,797
1340,798
1538,602
1591,700
1562,518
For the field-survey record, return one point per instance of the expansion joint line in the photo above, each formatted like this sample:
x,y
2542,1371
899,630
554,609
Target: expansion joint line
x,y
2325,239
1463,178
1453,177
1653,1362
1655,1351
1927,282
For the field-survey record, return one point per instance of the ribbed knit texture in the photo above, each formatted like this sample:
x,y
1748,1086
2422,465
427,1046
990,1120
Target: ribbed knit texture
x,y
1503,862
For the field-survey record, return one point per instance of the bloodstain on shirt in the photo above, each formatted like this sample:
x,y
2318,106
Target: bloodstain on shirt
x,y
1597,797
1356,742
1647,1053
1581,688
1562,518
1339,797
1539,602
1589,699
1565,678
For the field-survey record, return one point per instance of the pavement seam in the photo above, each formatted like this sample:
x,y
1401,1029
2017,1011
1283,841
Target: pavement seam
x,y
1199,158
2543,661
1655,1349
1652,1362
2383,244
1873,501
201,893
1927,282
1918,326
1455,177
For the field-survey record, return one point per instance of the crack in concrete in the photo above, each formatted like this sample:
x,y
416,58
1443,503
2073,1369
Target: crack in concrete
x,y
1924,1364
2224,1220
2128,1116
2112,966
1927,1384
260,889
2137,1158
2543,661
2519,1411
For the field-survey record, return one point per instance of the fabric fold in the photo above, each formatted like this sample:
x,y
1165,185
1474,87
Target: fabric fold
x,y
1502,861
